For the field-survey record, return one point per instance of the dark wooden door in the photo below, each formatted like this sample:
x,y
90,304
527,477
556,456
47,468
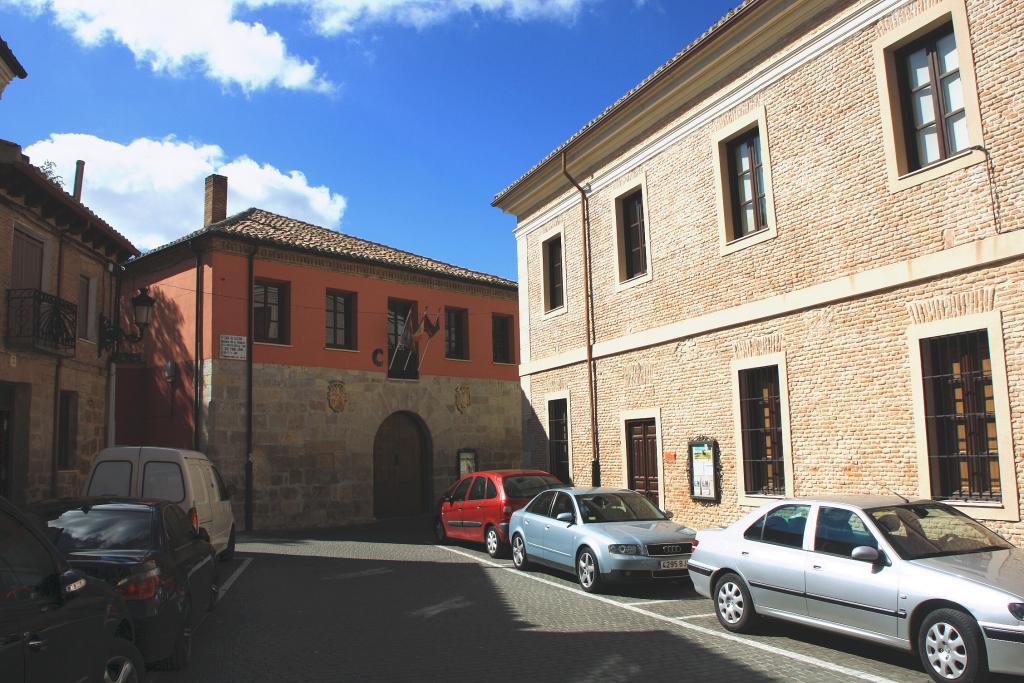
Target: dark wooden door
x,y
399,472
642,458
27,262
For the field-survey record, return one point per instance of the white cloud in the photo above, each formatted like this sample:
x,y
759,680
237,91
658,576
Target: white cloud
x,y
175,36
152,190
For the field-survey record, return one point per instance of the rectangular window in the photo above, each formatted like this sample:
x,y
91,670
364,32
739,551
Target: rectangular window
x,y
501,339
67,436
634,247
456,333
403,358
26,262
83,307
960,418
932,98
558,439
270,312
554,296
761,431
746,184
340,318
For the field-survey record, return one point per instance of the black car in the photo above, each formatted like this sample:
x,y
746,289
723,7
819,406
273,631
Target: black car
x,y
165,569
57,624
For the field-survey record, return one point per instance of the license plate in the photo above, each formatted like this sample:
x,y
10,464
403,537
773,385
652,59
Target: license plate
x,y
673,564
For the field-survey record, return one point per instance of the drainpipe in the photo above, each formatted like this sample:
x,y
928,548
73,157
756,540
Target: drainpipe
x,y
248,398
55,441
595,463
197,372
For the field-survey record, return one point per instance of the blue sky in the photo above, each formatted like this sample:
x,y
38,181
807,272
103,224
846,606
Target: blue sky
x,y
392,120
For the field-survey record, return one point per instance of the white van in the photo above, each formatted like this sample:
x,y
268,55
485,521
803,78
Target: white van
x,y
187,478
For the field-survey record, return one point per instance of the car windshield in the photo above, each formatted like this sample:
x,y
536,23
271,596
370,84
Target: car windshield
x,y
92,529
621,506
529,485
933,530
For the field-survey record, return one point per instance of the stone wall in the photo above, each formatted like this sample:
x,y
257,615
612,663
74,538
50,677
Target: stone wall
x,y
313,466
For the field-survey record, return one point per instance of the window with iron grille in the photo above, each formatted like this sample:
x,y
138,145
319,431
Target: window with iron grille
x,y
761,431
340,314
746,184
270,312
963,454
634,247
553,274
932,98
558,438
67,435
501,338
403,355
456,333
83,307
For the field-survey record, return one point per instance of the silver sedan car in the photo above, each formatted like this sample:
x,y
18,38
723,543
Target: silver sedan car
x,y
601,535
913,575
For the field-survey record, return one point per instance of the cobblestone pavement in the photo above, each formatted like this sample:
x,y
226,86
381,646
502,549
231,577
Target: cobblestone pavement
x,y
380,602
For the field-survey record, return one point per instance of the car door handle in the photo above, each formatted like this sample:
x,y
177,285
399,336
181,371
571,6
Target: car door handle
x,y
547,526
744,552
35,643
479,506
817,566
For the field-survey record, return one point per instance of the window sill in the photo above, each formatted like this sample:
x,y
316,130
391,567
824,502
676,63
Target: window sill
x,y
495,362
340,348
401,379
87,340
554,312
623,285
998,512
458,360
965,159
279,345
756,500
762,235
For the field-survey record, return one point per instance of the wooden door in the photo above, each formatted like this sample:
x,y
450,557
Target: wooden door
x,y
398,467
27,262
642,458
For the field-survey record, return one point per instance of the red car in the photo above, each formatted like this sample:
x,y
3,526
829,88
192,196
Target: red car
x,y
478,506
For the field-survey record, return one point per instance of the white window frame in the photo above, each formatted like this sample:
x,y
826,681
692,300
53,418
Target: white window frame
x,y
619,192
555,396
991,323
749,363
643,414
755,118
546,313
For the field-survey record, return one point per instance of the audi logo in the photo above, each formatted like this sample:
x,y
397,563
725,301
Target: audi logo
x,y
673,549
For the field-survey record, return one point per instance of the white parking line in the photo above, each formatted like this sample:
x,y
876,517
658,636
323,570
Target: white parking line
x,y
723,635
223,589
648,602
697,616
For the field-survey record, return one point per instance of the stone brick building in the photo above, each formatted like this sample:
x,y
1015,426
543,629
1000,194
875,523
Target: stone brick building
x,y
344,421
805,244
59,266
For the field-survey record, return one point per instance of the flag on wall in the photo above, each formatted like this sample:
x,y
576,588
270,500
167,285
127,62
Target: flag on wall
x,y
428,328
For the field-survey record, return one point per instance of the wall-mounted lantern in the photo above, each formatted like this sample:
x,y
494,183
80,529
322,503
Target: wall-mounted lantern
x,y
111,335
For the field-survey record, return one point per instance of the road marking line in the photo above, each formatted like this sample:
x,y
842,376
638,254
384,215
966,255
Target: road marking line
x,y
697,616
223,588
647,602
723,635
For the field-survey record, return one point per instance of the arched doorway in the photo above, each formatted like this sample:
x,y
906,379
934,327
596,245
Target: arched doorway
x,y
402,467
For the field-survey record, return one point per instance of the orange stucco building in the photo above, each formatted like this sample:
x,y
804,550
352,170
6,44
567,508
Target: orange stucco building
x,y
297,369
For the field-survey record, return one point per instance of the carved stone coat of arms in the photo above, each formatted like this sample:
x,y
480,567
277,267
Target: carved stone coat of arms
x,y
337,399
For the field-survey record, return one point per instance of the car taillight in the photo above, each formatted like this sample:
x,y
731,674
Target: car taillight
x,y
694,544
140,586
193,516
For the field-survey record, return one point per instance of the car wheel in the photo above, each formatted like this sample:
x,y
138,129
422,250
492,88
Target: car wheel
x,y
229,552
124,663
950,644
440,535
495,548
519,558
587,571
733,605
182,652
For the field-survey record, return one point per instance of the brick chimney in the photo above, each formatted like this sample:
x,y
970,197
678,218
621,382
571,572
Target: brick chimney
x,y
216,205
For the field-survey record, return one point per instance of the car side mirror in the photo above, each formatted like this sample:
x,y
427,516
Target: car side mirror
x,y
566,517
865,553
203,535
669,514
71,582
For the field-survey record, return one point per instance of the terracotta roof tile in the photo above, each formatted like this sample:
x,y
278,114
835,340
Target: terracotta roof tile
x,y
273,229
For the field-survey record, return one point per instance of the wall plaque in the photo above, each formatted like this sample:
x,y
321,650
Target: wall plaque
x,y
232,347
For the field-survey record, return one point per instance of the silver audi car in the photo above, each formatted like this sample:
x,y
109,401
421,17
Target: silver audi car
x,y
913,575
601,535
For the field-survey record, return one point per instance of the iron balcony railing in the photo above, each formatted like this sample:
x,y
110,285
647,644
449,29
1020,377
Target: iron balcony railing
x,y
37,321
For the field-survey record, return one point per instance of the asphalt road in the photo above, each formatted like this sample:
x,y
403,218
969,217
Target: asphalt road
x,y
381,602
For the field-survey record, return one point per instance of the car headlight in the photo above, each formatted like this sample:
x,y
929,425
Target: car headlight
x,y
624,549
1017,610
